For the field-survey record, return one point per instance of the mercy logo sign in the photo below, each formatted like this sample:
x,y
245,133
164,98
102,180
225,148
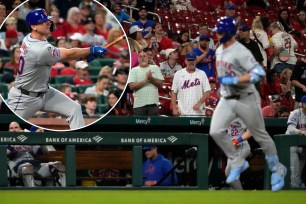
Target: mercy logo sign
x,y
143,121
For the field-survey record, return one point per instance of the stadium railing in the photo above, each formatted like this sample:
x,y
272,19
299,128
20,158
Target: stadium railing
x,y
134,139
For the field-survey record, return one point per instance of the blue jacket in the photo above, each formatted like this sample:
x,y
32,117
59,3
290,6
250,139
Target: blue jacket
x,y
154,170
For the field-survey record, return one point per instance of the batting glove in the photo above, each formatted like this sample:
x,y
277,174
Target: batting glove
x,y
237,141
228,80
97,51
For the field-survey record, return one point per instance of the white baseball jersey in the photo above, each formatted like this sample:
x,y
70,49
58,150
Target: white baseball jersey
x,y
190,88
236,128
263,38
167,70
285,41
36,59
228,64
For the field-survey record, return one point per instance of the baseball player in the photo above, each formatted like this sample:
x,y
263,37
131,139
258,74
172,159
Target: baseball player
x,y
191,87
236,130
297,125
237,75
23,165
32,92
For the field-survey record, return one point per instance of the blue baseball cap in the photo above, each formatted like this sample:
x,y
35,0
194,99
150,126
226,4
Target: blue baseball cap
x,y
204,37
33,128
230,6
303,99
190,56
244,28
148,147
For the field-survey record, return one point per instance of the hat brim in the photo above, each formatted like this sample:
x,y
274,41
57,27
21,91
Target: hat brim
x,y
148,147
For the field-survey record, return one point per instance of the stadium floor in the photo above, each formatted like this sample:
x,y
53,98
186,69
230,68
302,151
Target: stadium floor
x,y
150,196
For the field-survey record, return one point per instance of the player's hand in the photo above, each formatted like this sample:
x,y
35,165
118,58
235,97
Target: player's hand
x,y
228,80
97,51
149,74
236,142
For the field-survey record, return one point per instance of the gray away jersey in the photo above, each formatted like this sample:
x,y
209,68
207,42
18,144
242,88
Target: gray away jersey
x,y
298,119
24,152
35,63
235,60
236,128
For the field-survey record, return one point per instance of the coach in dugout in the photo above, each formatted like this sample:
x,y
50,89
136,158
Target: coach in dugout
x,y
157,169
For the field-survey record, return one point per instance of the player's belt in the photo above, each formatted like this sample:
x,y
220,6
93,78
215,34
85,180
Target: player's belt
x,y
237,97
32,94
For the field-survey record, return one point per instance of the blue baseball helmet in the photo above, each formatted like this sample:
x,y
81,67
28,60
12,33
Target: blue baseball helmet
x,y
37,16
226,25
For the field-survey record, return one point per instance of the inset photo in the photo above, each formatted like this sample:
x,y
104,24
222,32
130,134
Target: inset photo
x,y
60,61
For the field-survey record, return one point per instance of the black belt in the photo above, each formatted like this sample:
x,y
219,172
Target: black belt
x,y
30,93
237,97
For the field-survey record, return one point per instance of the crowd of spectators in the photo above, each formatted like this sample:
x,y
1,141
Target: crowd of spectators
x,y
80,23
166,42
186,26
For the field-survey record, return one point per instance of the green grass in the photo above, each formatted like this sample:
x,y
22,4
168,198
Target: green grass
x,y
149,197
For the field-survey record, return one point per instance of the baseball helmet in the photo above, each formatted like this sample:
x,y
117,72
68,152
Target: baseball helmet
x,y
226,25
38,16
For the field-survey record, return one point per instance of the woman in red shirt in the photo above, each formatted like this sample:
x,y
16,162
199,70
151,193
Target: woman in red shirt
x,y
73,22
14,62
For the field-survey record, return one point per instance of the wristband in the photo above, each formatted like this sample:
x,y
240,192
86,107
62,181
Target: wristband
x,y
240,139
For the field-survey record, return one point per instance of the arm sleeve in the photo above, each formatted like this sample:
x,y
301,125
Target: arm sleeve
x,y
292,123
291,129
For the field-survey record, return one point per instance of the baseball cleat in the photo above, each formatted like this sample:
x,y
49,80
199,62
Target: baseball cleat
x,y
235,172
278,178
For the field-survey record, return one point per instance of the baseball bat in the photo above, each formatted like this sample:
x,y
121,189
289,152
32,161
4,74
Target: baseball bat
x,y
113,42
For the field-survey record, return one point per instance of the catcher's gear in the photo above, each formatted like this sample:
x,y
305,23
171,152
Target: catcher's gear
x,y
226,25
27,173
37,16
58,170
55,169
